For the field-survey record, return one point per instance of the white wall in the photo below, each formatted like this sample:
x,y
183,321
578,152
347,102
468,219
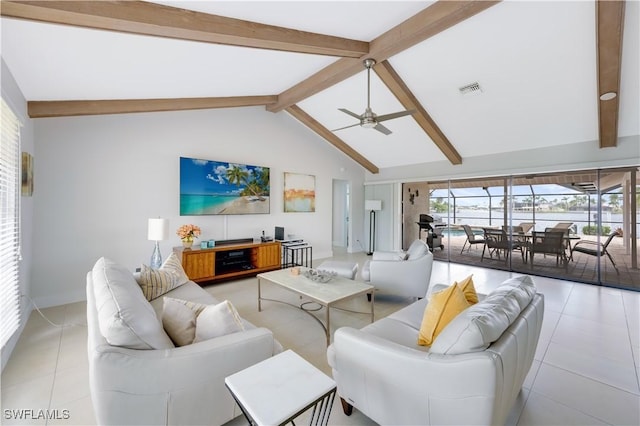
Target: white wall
x,y
99,178
15,99
340,213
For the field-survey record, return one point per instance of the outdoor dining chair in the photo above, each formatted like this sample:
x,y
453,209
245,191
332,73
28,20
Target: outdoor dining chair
x,y
472,238
497,240
551,241
526,226
593,248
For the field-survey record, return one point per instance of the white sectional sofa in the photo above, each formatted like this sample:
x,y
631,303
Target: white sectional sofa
x,y
471,373
136,374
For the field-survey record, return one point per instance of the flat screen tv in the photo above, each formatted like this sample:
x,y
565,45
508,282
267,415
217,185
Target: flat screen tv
x,y
214,187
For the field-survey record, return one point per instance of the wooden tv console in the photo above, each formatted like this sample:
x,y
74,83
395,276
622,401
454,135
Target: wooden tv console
x,y
226,261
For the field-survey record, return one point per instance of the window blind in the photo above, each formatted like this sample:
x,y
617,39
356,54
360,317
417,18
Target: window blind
x,y
10,224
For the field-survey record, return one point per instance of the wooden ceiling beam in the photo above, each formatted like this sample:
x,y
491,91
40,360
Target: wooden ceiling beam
x,y
427,23
392,80
152,19
42,109
609,30
330,137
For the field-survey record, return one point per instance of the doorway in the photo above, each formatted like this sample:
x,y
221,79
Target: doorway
x,y
341,228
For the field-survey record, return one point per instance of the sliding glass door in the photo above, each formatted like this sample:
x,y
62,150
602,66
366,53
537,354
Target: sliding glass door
x,y
580,226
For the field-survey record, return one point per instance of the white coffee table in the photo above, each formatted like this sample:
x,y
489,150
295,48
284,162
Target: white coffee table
x,y
279,389
325,294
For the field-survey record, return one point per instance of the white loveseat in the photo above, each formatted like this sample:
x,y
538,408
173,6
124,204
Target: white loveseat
x,y
400,273
141,378
471,374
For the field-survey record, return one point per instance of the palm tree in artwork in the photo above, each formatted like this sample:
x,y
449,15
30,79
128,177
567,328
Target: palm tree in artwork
x,y
263,179
237,175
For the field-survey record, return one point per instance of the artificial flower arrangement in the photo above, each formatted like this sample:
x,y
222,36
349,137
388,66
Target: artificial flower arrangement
x,y
188,232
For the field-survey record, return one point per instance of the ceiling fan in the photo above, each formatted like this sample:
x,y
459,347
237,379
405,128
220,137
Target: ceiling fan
x,y
369,119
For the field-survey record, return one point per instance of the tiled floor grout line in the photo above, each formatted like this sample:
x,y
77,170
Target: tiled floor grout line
x,y
633,357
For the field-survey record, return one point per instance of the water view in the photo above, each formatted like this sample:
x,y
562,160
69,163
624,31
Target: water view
x,y
479,218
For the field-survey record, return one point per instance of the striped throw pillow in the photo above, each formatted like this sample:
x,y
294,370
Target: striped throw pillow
x,y
156,282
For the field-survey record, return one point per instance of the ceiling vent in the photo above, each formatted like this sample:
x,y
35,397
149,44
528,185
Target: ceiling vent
x,y
585,186
473,88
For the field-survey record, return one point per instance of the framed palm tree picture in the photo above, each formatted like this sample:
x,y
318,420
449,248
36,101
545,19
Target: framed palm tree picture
x,y
213,187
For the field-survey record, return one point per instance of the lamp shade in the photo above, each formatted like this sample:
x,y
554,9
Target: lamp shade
x,y
158,229
373,205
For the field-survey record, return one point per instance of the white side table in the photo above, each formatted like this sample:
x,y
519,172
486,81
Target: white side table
x,y
279,389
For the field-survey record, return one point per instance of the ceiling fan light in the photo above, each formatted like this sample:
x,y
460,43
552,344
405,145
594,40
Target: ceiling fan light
x,y
608,96
369,124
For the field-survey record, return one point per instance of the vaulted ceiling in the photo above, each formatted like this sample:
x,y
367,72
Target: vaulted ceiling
x,y
540,68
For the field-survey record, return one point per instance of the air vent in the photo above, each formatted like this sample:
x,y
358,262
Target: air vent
x,y
586,186
473,88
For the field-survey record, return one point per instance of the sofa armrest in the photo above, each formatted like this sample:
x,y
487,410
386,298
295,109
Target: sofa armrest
x,y
162,386
159,371
389,255
374,374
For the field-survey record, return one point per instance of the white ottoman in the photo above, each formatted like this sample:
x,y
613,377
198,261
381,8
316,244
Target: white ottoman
x,y
342,268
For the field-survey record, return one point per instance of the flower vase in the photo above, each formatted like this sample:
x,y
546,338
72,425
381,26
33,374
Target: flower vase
x,y
187,244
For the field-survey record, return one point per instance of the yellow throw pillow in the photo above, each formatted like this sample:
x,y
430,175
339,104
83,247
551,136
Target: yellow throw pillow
x,y
443,306
468,289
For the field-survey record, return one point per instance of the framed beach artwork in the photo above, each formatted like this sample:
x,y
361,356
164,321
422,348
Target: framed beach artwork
x,y
210,187
299,193
27,174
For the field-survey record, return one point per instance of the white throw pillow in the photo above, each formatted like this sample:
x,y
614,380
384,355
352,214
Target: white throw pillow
x,y
179,321
125,317
478,326
217,320
188,322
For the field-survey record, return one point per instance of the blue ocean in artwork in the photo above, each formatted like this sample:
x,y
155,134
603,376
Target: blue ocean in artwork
x,y
191,205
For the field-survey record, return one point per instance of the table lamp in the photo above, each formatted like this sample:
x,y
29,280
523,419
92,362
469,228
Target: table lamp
x,y
158,230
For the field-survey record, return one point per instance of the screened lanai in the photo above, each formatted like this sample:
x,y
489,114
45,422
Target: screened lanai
x,y
595,210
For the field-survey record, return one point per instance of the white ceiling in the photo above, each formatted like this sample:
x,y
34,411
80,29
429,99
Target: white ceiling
x,y
535,62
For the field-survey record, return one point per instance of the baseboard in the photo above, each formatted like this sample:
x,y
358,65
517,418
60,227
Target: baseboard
x,y
59,299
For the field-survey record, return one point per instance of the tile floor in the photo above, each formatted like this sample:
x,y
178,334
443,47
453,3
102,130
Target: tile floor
x,y
586,370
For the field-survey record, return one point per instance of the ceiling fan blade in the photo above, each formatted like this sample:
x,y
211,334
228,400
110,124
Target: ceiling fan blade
x,y
353,114
394,115
346,127
379,127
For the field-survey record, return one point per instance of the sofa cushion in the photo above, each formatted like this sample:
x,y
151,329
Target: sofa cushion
x,y
156,282
483,323
395,331
125,317
443,307
188,322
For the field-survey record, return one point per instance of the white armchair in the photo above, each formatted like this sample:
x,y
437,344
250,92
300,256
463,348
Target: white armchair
x,y
401,273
